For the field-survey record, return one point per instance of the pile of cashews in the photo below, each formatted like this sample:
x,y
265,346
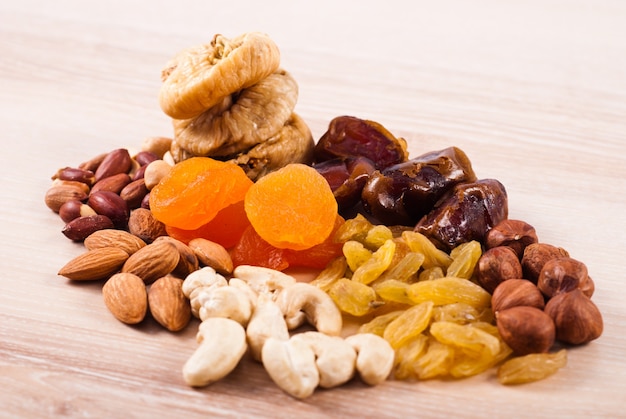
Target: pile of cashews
x,y
259,309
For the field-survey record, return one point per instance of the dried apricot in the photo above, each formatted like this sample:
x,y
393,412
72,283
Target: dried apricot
x,y
292,207
225,228
320,255
252,249
195,190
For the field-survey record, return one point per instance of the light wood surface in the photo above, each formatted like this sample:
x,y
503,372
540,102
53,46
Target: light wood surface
x,y
533,91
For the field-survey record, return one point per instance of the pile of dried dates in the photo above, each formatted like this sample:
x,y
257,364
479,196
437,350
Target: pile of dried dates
x,y
438,192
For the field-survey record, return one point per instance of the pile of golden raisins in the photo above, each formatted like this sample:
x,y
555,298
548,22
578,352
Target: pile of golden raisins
x,y
426,303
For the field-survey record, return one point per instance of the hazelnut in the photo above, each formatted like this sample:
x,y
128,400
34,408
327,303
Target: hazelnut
x,y
577,319
515,234
497,265
514,293
561,275
587,286
536,255
526,329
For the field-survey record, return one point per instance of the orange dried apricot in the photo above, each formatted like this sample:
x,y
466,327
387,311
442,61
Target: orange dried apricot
x,y
320,255
292,207
225,228
195,190
251,249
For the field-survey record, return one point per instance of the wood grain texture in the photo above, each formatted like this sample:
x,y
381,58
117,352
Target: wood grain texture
x,y
533,91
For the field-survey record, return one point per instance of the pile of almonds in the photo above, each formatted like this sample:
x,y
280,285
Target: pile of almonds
x,y
104,203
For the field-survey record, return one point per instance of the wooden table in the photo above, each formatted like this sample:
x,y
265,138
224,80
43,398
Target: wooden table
x,y
534,92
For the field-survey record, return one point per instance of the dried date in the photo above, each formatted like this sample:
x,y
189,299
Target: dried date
x,y
348,136
467,213
346,177
403,193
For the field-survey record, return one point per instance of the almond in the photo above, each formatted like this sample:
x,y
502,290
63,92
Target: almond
x,y
126,297
153,261
188,262
114,238
212,254
168,305
94,264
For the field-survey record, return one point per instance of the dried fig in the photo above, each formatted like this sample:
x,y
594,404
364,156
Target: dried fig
x,y
241,120
292,144
199,78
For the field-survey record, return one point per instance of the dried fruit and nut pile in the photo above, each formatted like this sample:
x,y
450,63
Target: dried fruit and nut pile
x,y
419,251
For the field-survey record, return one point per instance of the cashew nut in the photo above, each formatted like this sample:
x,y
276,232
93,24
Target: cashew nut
x,y
204,277
335,358
303,300
263,280
266,322
291,365
222,345
375,357
243,286
228,302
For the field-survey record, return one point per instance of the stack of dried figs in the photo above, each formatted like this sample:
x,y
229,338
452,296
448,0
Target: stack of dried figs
x,y
230,100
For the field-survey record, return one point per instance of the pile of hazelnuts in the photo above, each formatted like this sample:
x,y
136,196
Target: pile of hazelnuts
x,y
540,295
